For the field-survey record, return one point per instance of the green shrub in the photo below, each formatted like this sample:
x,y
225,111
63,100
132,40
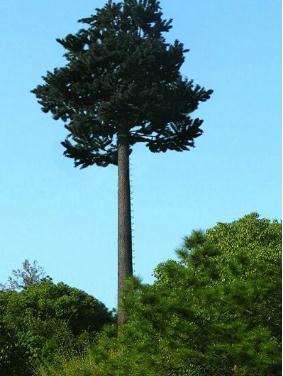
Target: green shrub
x,y
214,311
76,366
43,320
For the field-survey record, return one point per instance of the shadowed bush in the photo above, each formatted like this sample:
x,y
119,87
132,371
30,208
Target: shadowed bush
x,y
43,320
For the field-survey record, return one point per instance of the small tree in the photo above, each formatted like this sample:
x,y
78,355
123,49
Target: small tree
x,y
122,85
29,275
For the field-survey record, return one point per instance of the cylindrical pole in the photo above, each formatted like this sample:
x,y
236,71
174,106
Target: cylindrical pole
x,y
125,265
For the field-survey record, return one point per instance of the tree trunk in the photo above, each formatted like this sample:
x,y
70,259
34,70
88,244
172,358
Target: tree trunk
x,y
125,265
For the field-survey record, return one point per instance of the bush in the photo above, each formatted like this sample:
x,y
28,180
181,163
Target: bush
x,y
46,319
75,366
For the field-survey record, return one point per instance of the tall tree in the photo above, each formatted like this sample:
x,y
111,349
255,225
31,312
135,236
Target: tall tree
x,y
122,85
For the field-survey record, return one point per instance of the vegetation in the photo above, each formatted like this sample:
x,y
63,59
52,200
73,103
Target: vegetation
x,y
28,275
213,311
122,85
44,320
216,310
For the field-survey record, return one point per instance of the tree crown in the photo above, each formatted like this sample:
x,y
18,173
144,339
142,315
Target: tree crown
x,y
217,307
122,79
30,274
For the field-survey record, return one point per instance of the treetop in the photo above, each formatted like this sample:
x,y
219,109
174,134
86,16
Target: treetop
x,y
122,79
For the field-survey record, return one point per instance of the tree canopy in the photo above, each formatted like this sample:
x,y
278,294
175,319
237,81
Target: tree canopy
x,y
44,320
214,311
122,78
30,274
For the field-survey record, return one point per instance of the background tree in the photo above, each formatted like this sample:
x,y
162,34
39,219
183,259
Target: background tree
x,y
45,320
122,85
30,274
13,359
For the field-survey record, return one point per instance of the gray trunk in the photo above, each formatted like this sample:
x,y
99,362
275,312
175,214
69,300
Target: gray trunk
x,y
125,266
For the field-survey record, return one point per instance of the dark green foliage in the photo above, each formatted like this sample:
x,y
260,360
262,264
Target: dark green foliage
x,y
214,312
43,321
13,359
122,78
216,309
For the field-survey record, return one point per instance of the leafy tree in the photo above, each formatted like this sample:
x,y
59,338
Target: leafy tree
x,y
215,311
13,360
122,85
44,320
29,275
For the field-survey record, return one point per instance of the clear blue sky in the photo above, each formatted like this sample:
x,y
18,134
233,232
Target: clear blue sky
x,y
65,217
